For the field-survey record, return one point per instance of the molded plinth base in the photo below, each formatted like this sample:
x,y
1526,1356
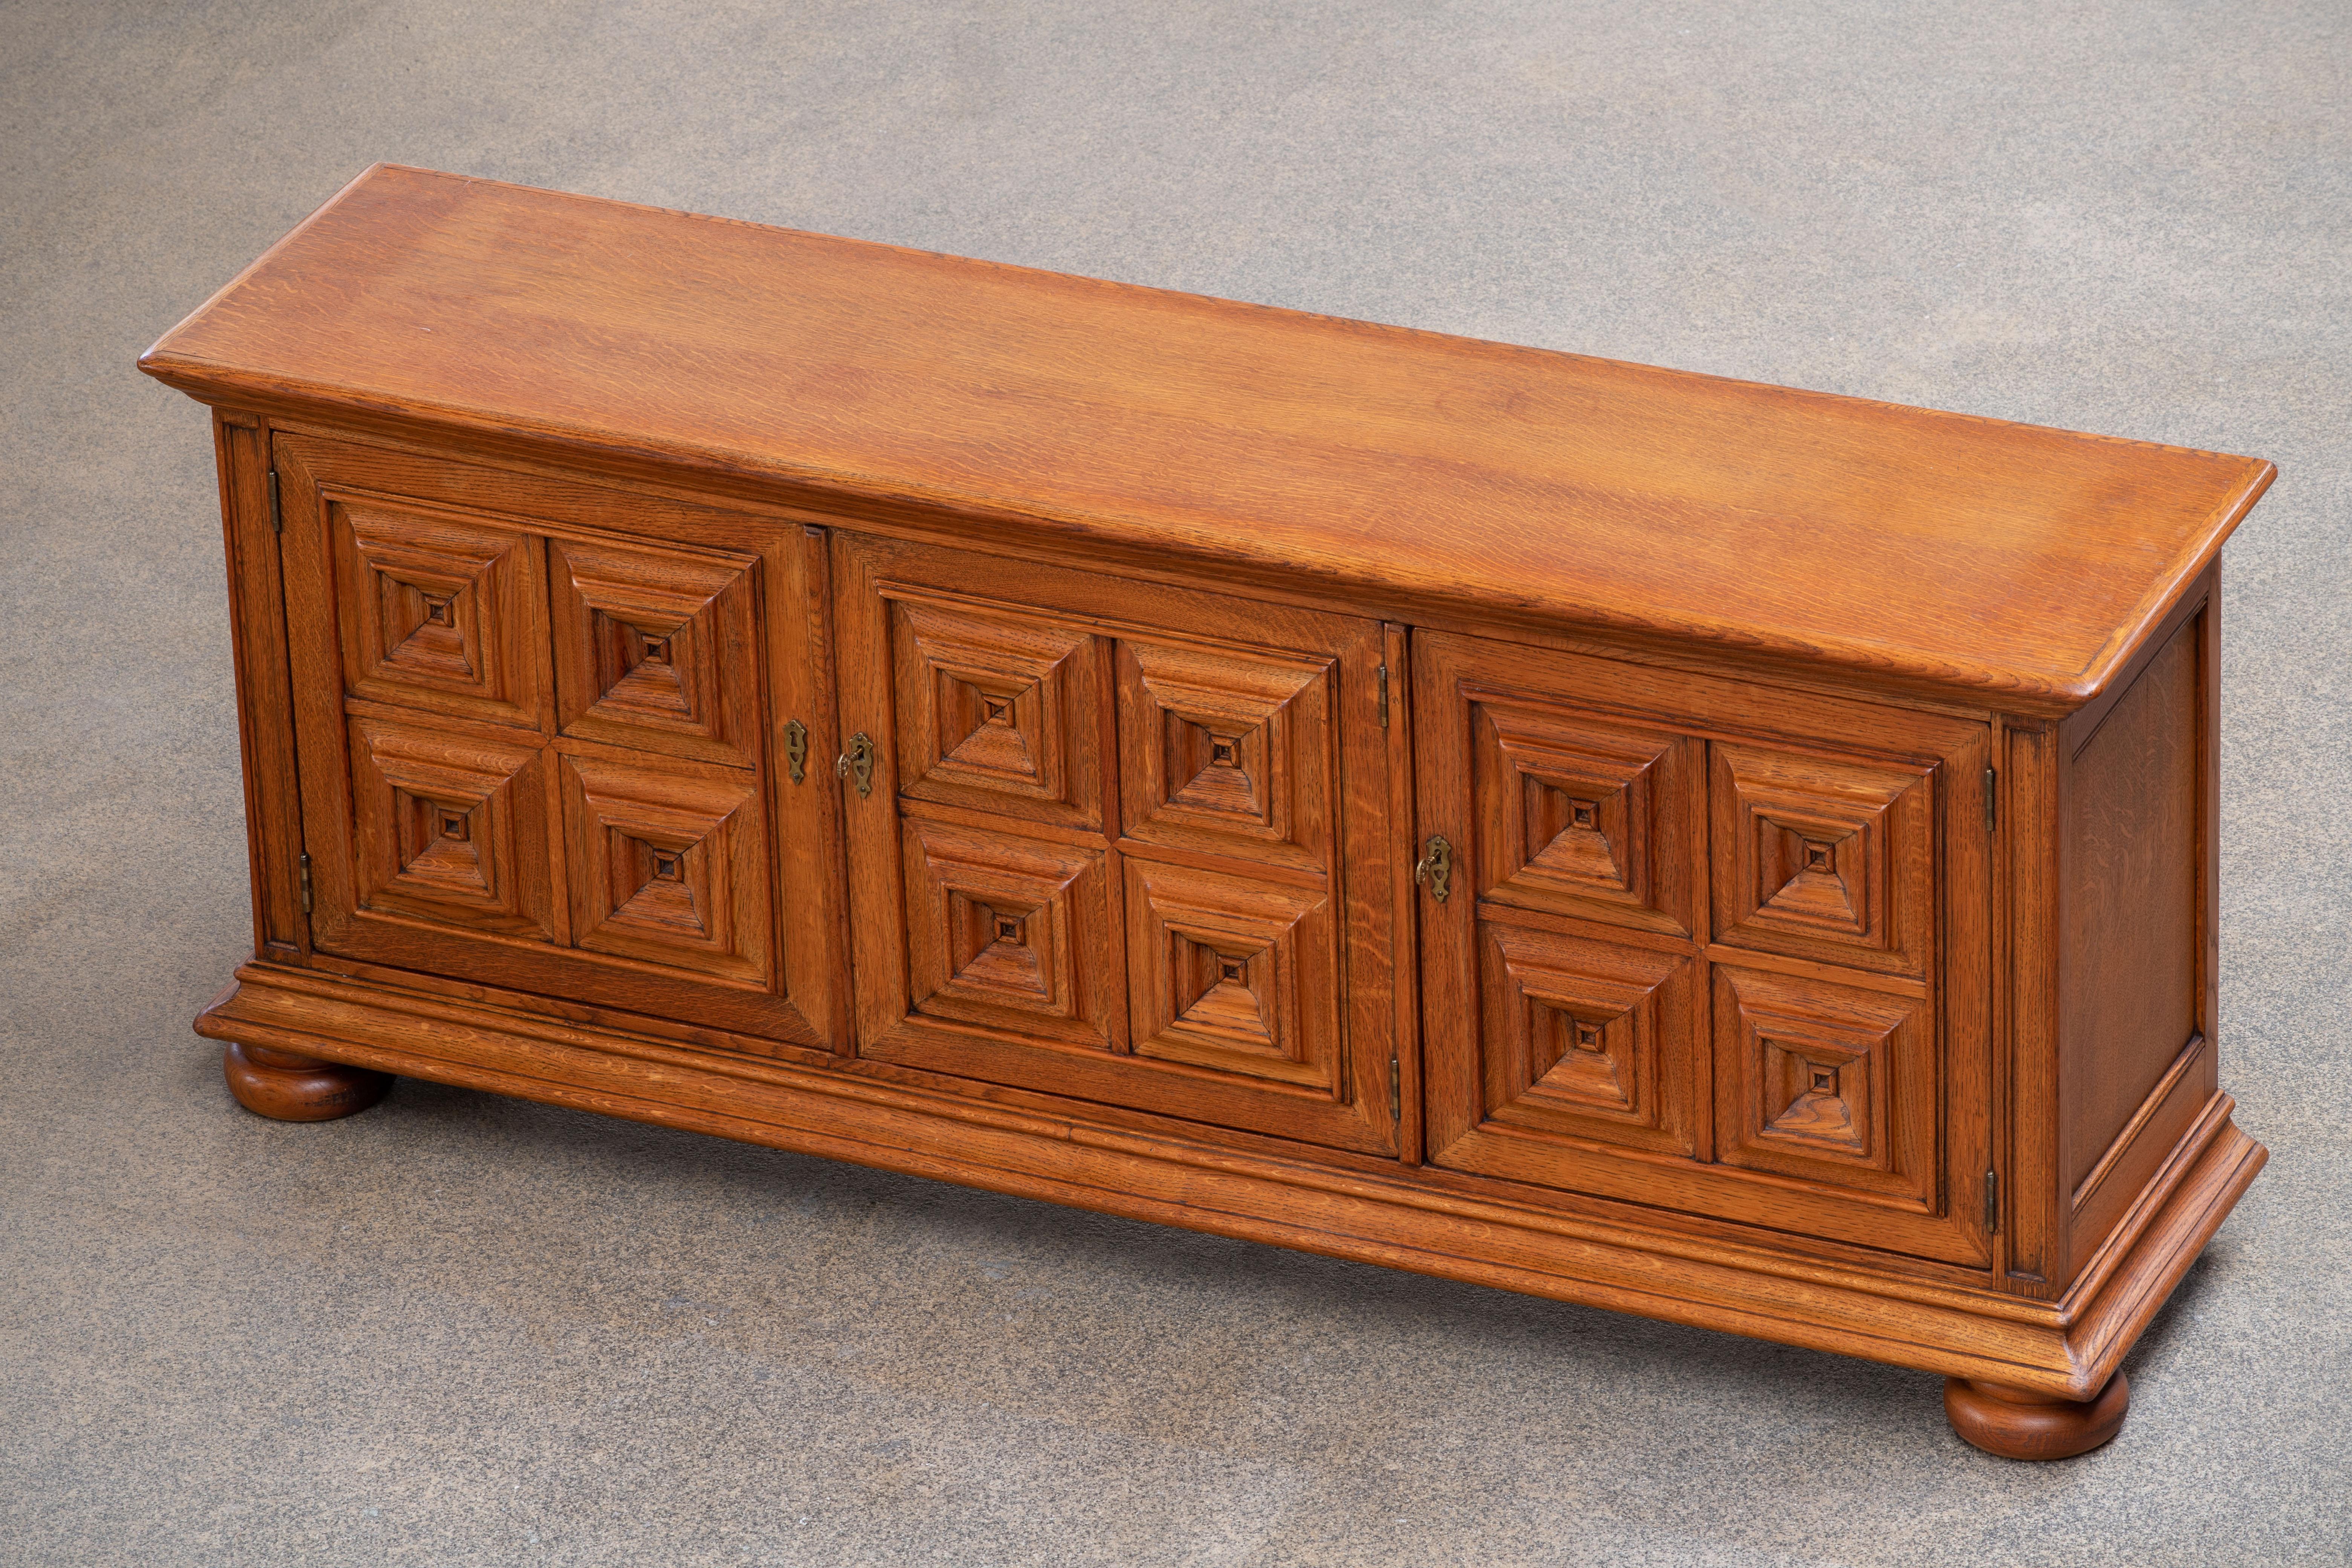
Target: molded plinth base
x,y
2019,1424
287,1088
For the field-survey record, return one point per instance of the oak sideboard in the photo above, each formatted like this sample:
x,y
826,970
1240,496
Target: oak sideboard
x,y
1735,855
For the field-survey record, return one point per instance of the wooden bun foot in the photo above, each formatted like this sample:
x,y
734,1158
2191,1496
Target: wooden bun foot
x,y
287,1088
2019,1424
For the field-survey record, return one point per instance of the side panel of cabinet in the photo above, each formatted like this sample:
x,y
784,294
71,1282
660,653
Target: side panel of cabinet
x,y
2138,863
541,728
1118,841
1709,946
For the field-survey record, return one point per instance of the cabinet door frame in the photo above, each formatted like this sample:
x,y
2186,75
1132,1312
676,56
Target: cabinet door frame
x,y
1786,1179
1085,1050
791,986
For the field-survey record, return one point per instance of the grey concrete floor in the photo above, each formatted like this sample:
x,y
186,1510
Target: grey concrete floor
x,y
466,1329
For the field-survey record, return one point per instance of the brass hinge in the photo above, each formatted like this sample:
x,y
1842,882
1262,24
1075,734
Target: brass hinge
x,y
796,750
1993,1203
1385,696
1993,798
277,518
1396,1091
304,870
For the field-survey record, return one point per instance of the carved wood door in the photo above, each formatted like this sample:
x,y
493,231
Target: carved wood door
x,y
1705,945
1118,841
542,731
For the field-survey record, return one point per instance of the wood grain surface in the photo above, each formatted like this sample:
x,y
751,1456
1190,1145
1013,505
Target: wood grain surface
x,y
1742,856
1956,555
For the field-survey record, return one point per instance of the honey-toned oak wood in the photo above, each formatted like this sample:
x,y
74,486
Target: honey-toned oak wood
x,y
1736,855
2067,1348
2020,1424
286,1086
1083,413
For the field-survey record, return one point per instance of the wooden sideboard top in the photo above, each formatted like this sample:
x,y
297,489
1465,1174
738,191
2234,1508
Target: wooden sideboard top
x,y
1997,564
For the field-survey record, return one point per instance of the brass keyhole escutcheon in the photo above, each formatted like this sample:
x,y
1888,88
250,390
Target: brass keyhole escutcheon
x,y
796,750
1434,869
857,764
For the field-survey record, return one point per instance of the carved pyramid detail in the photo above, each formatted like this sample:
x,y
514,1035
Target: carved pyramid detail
x,y
1588,818
1227,1002
997,712
664,901
1819,1113
434,611
1574,833
648,681
450,829
1582,1036
1005,956
665,863
1818,873
998,927
1221,779
1584,1053
649,648
993,741
1227,750
429,623
439,845
1233,974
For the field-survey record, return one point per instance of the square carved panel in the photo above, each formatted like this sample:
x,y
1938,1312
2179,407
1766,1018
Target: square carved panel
x,y
1227,751
438,611
1007,931
1233,974
1824,859
655,649
998,711
669,866
1826,1083
1586,818
451,828
1588,1040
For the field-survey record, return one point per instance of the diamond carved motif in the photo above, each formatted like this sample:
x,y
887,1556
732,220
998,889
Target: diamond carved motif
x,y
450,829
1226,751
1584,1055
1824,1087
668,865
1823,858
1585,817
438,612
997,712
1007,931
1007,949
1825,1082
1823,877
1587,1038
652,648
1233,974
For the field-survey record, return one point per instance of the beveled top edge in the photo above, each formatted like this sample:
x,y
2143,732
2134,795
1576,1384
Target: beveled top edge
x,y
1578,492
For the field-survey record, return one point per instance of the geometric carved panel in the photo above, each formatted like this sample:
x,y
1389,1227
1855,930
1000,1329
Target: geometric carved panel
x,y
1227,751
1823,859
439,613
654,648
1583,817
997,712
1233,974
1007,931
1826,1083
1588,1040
451,828
668,865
